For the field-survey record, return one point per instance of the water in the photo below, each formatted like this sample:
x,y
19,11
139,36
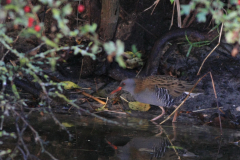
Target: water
x,y
132,139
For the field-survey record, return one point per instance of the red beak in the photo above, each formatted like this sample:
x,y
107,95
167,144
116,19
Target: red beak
x,y
116,90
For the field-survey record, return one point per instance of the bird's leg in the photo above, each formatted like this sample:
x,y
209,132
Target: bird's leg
x,y
175,115
163,112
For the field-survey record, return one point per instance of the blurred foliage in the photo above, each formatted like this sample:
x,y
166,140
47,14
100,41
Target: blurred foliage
x,y
226,13
31,65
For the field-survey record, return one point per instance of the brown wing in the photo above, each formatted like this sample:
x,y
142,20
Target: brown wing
x,y
174,86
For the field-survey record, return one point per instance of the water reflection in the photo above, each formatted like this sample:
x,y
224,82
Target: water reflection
x,y
134,139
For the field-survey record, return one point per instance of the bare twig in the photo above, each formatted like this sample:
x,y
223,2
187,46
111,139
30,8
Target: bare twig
x,y
138,23
187,23
219,147
37,137
113,112
153,5
2,119
179,13
212,50
20,134
172,15
170,143
5,55
80,71
90,96
184,99
207,109
86,111
217,102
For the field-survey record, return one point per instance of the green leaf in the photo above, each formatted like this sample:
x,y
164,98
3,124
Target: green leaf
x,y
232,15
36,8
49,42
11,7
56,14
185,9
202,16
14,89
109,47
120,61
134,49
88,28
67,9
229,37
69,85
189,50
120,48
139,106
172,1
67,125
74,33
23,61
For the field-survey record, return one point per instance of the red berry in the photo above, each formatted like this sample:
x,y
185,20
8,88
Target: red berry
x,y
81,8
238,2
8,1
30,21
27,9
37,28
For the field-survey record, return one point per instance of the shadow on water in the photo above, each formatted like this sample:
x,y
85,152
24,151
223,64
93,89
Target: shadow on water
x,y
134,139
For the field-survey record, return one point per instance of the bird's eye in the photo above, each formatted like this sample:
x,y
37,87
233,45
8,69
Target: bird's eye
x,y
123,84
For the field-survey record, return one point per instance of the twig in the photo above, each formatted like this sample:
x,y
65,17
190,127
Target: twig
x,y
171,143
37,137
172,15
191,16
113,112
179,13
217,102
153,5
138,23
212,50
35,14
5,55
90,96
219,147
96,84
184,99
80,71
59,123
124,99
86,111
207,109
2,119
20,134
19,35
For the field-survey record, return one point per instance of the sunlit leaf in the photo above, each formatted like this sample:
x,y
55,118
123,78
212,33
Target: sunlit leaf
x,y
67,125
69,85
102,108
139,106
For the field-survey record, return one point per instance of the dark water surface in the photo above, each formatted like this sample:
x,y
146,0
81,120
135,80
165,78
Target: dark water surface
x,y
134,139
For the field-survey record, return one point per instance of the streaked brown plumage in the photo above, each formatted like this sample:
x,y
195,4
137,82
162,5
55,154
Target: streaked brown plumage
x,y
159,90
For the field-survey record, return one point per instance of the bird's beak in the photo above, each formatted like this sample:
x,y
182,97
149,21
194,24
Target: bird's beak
x,y
116,90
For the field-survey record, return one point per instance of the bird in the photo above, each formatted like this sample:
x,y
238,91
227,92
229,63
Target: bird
x,y
158,90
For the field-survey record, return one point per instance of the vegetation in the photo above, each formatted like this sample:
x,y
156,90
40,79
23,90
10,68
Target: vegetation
x,y
22,15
